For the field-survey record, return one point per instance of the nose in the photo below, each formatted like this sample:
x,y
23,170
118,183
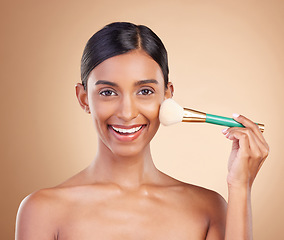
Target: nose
x,y
127,109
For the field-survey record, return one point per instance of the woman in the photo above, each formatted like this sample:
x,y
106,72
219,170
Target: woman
x,y
122,195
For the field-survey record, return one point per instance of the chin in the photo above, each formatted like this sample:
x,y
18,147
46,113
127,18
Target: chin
x,y
132,151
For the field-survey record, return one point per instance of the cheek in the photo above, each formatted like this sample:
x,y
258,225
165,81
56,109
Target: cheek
x,y
151,110
101,112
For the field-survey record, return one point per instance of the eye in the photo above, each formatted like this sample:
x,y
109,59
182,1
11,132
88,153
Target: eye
x,y
108,93
145,91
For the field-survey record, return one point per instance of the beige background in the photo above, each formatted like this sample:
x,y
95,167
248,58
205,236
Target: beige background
x,y
225,57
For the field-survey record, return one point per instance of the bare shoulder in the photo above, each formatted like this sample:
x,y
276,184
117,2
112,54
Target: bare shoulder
x,y
206,196
37,216
203,197
40,200
213,205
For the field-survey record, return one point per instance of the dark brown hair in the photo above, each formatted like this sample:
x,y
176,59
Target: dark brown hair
x,y
118,38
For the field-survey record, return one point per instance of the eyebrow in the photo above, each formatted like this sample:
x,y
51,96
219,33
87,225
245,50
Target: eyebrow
x,y
138,83
104,82
141,82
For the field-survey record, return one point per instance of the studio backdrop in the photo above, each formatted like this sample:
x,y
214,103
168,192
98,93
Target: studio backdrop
x,y
224,57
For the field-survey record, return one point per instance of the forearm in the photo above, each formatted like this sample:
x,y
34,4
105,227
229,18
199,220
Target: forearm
x,y
239,215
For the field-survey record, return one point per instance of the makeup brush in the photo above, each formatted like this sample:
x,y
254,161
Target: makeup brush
x,y
171,113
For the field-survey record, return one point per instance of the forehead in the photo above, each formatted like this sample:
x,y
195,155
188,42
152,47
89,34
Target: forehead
x,y
134,65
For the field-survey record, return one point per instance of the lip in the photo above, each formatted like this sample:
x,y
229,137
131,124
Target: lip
x,y
126,137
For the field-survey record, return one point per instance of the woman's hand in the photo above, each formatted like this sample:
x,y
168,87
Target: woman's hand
x,y
249,150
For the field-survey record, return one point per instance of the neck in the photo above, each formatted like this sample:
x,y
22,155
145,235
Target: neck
x,y
125,171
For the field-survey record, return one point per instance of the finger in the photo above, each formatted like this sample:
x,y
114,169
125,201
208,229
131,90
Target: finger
x,y
247,123
257,147
250,124
244,144
249,153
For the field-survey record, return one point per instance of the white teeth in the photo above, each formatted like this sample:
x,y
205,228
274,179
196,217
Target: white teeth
x,y
123,130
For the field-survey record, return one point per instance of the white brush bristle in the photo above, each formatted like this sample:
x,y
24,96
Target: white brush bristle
x,y
170,112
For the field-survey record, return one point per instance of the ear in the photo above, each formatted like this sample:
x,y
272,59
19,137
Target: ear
x,y
82,97
169,91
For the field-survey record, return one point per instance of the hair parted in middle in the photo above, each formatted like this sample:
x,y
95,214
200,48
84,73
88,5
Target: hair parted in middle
x,y
118,38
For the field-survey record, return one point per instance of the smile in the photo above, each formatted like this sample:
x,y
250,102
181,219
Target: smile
x,y
127,131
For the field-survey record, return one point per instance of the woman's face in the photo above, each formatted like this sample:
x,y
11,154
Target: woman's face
x,y
124,96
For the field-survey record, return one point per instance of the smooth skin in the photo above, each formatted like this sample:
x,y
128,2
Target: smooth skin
x,y
122,195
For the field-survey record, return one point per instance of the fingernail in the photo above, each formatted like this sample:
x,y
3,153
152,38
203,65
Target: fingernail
x,y
235,115
225,130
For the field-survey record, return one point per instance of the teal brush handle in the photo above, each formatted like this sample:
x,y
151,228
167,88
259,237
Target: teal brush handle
x,y
224,121
229,122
